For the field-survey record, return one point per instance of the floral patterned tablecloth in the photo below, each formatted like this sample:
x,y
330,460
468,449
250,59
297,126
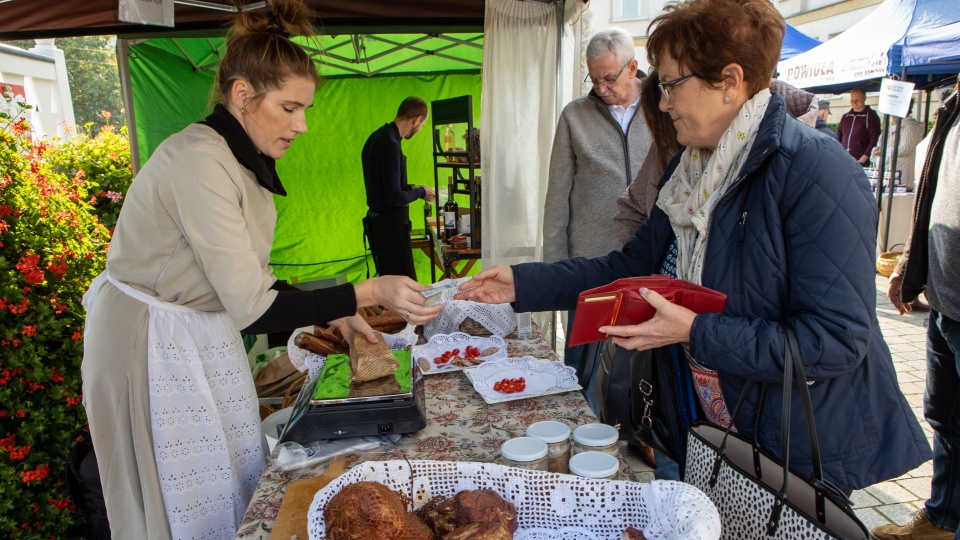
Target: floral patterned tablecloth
x,y
460,426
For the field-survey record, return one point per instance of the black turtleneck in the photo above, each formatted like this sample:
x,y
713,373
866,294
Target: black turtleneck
x,y
243,149
292,308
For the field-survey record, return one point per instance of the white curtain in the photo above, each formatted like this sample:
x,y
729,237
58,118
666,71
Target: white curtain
x,y
520,105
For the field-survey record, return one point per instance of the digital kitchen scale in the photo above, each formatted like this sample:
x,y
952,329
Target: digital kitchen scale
x,y
317,419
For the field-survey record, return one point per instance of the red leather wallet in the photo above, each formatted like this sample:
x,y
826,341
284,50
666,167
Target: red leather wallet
x,y
620,303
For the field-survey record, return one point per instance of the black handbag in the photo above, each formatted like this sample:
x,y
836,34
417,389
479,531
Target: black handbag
x,y
627,393
758,496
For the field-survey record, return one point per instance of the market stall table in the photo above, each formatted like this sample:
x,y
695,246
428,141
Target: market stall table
x,y
460,426
900,220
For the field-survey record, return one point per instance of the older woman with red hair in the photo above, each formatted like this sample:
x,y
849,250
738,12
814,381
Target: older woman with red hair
x,y
777,216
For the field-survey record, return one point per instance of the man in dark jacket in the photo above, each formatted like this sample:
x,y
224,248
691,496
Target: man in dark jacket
x,y
930,263
823,112
387,224
859,128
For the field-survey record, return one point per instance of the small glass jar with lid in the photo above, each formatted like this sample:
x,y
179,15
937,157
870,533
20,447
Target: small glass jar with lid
x,y
557,436
598,438
595,465
524,453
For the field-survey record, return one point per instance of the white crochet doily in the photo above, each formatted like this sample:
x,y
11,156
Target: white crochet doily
x,y
541,377
442,343
549,505
305,360
499,319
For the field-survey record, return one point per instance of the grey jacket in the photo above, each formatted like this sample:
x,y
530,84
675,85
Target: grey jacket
x,y
591,164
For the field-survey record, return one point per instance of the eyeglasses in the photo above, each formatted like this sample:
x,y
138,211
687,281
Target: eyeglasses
x,y
606,81
670,84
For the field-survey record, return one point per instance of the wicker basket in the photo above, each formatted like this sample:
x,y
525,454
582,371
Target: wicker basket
x,y
549,505
887,261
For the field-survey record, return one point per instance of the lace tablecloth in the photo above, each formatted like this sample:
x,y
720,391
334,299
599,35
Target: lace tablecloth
x,y
460,427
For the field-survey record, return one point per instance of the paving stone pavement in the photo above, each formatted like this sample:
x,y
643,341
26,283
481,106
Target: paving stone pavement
x,y
896,500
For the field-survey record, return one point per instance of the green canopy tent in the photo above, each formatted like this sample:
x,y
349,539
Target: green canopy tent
x,y
530,47
365,78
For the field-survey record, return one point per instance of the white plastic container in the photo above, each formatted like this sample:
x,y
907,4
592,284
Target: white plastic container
x,y
595,465
557,436
272,422
524,326
524,453
596,437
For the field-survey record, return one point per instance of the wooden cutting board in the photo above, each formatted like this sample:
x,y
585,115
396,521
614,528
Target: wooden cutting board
x,y
292,516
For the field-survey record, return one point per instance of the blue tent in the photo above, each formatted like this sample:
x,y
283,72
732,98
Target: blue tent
x,y
921,36
932,43
796,42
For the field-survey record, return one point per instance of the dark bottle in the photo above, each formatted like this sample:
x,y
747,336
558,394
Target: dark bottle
x,y
478,228
451,213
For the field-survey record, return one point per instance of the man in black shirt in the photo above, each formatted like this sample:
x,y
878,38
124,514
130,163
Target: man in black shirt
x,y
387,224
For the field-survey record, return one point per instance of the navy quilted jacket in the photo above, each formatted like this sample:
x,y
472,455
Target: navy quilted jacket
x,y
793,240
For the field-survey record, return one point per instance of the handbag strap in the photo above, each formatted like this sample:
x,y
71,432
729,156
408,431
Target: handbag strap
x,y
804,391
792,367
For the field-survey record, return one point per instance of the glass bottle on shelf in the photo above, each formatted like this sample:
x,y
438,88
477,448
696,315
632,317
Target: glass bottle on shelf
x,y
451,213
449,139
476,228
427,214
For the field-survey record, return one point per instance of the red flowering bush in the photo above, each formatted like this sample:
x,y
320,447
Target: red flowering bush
x,y
104,162
51,247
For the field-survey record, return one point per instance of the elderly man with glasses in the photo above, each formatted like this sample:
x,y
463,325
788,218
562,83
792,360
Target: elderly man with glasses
x,y
600,143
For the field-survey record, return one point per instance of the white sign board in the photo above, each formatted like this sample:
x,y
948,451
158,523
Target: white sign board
x,y
153,12
895,97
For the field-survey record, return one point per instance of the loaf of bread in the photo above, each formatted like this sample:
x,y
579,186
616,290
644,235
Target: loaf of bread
x,y
386,319
332,335
329,340
312,343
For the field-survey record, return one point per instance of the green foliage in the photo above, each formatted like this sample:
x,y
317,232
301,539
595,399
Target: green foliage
x,y
51,246
94,79
104,162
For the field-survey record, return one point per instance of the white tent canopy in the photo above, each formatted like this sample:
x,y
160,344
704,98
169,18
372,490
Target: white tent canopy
x,y
858,54
875,47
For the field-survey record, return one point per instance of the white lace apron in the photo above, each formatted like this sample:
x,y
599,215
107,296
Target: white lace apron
x,y
207,437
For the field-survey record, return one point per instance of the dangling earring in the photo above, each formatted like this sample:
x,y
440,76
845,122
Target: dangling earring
x,y
726,99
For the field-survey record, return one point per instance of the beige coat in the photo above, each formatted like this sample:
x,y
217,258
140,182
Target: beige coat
x,y
195,230
911,132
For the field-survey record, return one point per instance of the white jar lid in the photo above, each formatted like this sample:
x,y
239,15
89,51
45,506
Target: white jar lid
x,y
549,431
524,449
596,435
594,465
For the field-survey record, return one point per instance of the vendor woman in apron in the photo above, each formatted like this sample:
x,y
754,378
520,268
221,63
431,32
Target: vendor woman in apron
x,y
166,386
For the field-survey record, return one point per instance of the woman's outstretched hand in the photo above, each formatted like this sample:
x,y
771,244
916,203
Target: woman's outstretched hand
x,y
492,286
399,294
671,324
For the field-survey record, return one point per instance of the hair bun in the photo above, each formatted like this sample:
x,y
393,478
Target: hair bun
x,y
285,17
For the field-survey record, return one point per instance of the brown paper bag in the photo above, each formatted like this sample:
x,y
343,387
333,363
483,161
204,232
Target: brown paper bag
x,y
279,368
369,361
384,386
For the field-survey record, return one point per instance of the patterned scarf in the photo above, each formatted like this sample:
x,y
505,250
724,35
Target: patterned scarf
x,y
701,180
